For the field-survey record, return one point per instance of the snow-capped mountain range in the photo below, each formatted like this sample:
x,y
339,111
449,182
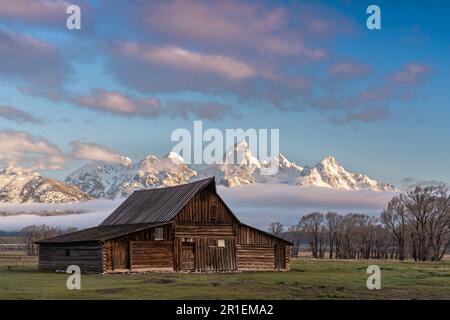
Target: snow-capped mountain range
x,y
102,180
19,185
97,180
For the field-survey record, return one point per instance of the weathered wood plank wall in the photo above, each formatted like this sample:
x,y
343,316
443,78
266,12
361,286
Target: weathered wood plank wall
x,y
58,257
144,251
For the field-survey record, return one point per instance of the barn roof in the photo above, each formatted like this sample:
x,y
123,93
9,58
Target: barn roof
x,y
156,205
99,233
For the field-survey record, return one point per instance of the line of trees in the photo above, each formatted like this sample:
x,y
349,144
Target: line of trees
x,y
415,225
34,233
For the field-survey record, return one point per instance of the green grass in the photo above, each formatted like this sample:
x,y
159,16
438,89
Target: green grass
x,y
308,279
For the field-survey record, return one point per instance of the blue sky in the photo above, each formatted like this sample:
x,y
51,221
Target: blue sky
x,y
377,100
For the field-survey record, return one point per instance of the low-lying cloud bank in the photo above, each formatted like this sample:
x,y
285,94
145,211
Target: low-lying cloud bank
x,y
257,204
86,214
260,204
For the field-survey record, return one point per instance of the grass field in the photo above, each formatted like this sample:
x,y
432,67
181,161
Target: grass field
x,y
308,279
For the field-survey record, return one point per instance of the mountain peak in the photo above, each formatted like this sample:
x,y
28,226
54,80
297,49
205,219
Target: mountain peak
x,y
18,185
175,157
240,154
330,161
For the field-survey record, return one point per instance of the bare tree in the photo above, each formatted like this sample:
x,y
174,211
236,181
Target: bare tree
x,y
419,204
276,228
438,226
314,230
35,233
332,219
294,235
394,218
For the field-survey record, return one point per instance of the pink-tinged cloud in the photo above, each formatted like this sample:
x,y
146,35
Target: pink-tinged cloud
x,y
121,104
118,103
36,153
179,58
34,10
31,60
370,114
378,94
411,74
17,115
151,70
96,152
203,110
350,69
234,23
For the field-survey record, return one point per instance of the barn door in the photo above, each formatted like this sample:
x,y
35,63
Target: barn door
x,y
121,255
280,257
187,256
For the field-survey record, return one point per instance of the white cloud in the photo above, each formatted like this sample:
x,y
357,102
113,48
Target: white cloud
x,y
96,152
180,58
260,204
37,153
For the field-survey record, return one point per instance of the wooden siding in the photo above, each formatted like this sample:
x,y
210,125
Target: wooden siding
x,y
257,250
195,230
205,207
247,235
213,258
87,256
207,257
151,255
144,252
255,257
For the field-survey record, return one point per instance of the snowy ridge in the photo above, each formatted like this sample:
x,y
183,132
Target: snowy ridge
x,y
111,181
19,185
118,180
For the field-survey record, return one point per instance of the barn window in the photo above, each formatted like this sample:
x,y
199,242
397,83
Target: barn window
x,y
159,234
67,253
216,243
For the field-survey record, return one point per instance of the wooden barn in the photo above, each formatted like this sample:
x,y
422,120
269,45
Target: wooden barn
x,y
181,228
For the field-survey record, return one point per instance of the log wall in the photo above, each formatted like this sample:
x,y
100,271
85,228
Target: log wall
x,y
55,257
255,257
257,250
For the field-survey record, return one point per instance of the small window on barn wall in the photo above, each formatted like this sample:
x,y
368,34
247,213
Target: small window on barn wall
x,y
67,253
158,234
216,243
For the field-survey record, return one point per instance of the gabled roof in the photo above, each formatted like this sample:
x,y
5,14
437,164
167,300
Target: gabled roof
x,y
157,205
99,233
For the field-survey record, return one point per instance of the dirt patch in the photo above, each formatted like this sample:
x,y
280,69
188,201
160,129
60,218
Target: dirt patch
x,y
110,290
159,281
